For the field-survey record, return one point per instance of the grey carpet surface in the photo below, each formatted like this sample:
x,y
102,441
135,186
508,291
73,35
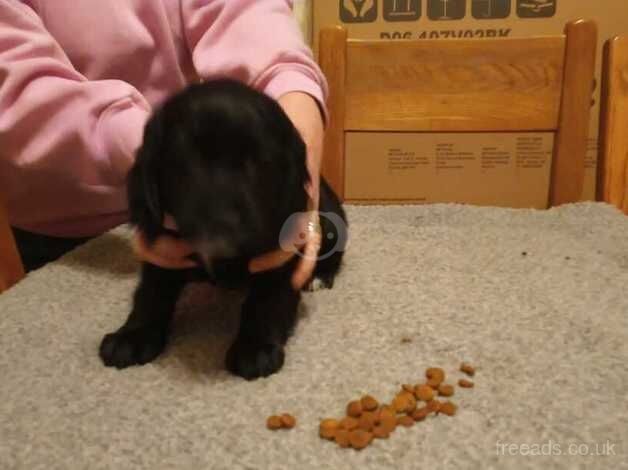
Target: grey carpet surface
x,y
548,333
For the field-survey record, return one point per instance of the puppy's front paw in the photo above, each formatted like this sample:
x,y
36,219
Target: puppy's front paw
x,y
319,283
254,360
128,347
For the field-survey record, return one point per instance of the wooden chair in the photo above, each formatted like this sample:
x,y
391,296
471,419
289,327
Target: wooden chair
x,y
613,158
365,96
11,269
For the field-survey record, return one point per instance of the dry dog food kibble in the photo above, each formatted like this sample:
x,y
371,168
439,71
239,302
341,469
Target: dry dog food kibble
x,y
464,383
288,421
369,403
381,432
433,406
420,414
354,408
366,419
467,369
405,420
273,422
328,428
445,390
435,376
349,423
401,402
342,438
387,419
407,388
359,439
448,408
424,392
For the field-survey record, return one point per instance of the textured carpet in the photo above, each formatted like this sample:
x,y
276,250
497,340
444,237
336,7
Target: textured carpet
x,y
548,332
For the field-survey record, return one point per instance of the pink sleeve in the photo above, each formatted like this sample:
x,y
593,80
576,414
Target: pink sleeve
x,y
255,41
54,121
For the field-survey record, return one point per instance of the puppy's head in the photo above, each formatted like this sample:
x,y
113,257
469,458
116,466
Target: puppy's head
x,y
227,164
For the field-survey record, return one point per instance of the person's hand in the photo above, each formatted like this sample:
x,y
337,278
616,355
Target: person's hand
x,y
306,116
166,251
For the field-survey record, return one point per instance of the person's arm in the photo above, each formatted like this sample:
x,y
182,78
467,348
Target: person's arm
x,y
53,119
255,41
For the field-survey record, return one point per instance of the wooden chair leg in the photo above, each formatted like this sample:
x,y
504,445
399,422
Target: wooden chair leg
x,y
11,268
613,155
567,178
333,61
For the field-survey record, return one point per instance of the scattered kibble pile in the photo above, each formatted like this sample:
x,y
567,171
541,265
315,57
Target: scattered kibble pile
x,y
367,419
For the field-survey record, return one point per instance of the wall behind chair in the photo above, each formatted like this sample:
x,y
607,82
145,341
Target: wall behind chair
x,y
303,13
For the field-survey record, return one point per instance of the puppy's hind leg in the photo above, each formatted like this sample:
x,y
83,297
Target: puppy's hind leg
x,y
144,334
268,318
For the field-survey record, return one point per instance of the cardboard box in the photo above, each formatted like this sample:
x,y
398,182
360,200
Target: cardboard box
x,y
443,19
505,169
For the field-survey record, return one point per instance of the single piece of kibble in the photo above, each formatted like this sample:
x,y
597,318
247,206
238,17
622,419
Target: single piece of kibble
x,y
467,369
369,403
407,388
399,403
381,432
342,438
349,423
445,390
420,414
354,408
411,403
273,422
388,422
435,376
404,402
464,383
328,428
433,406
386,417
359,439
386,410
288,421
367,421
448,408
405,420
424,392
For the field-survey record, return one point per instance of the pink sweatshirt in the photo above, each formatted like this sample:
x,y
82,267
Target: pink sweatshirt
x,y
78,79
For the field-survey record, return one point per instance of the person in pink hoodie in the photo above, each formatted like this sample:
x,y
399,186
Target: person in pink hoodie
x,y
79,79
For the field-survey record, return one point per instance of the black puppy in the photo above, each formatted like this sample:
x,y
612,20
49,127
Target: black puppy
x,y
228,165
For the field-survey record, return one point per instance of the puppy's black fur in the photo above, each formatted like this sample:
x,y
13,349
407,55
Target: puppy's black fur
x,y
228,165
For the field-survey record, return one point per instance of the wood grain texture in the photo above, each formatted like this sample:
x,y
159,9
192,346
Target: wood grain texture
x,y
568,165
457,85
613,157
333,60
11,269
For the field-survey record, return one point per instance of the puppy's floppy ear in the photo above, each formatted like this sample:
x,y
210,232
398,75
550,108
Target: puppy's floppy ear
x,y
142,190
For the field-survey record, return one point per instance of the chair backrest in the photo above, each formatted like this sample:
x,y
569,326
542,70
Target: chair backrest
x,y
11,269
460,85
613,159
